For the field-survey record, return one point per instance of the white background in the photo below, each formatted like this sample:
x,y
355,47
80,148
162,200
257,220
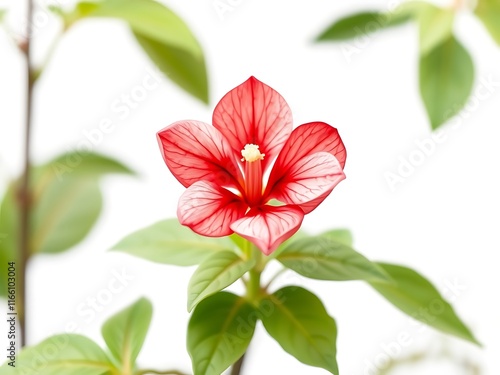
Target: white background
x,y
442,220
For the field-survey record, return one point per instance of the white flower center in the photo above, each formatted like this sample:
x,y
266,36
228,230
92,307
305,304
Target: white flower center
x,y
251,153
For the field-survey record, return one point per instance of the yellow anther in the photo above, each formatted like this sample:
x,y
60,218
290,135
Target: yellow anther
x,y
251,153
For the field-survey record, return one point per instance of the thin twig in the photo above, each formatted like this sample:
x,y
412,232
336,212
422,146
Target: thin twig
x,y
24,188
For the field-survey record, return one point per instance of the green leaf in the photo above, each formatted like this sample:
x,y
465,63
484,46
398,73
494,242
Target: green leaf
x,y
151,19
324,258
169,242
67,199
4,259
361,24
164,37
126,331
3,12
65,214
186,70
86,164
64,211
417,297
66,202
9,220
239,241
344,236
56,10
216,273
66,354
219,332
446,80
299,322
297,236
488,12
435,25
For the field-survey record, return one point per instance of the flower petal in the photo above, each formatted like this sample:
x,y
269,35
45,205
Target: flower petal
x,y
309,179
308,139
209,209
295,179
195,151
254,113
267,226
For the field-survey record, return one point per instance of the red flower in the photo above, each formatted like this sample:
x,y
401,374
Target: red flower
x,y
223,167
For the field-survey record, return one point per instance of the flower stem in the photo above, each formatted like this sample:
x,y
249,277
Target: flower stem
x,y
253,284
24,193
254,291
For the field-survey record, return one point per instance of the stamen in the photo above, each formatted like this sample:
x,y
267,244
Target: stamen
x,y
251,153
253,173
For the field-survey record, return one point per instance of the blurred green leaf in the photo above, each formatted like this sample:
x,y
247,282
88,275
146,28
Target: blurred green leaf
x,y
216,273
66,354
344,236
435,25
164,36
3,12
86,164
219,332
488,12
188,71
126,331
417,297
66,202
446,80
56,10
239,241
151,19
4,259
299,322
169,242
9,220
324,258
361,24
67,199
66,212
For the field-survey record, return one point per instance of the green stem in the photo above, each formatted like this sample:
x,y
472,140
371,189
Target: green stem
x,y
254,290
253,284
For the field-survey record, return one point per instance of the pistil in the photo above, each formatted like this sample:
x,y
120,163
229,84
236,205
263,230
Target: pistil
x,y
253,173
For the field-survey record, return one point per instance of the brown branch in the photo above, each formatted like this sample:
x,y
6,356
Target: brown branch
x,y
24,195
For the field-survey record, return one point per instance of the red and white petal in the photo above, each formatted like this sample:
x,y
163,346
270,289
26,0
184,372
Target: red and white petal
x,y
308,139
267,227
254,113
209,209
195,151
309,181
